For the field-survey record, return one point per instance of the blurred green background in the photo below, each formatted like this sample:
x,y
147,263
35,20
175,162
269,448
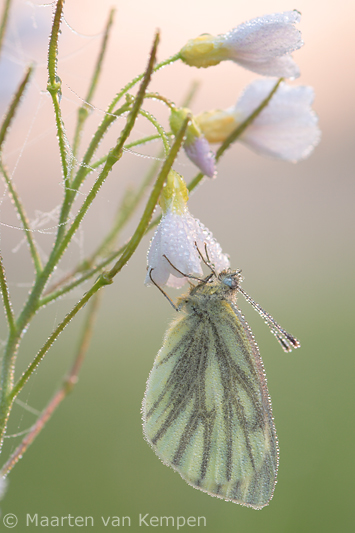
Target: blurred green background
x,y
289,227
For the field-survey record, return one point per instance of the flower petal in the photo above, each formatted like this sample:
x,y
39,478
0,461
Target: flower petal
x,y
205,240
287,128
176,238
200,153
263,44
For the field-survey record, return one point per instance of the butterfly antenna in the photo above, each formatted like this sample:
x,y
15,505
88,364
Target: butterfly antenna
x,y
161,290
286,340
207,262
182,273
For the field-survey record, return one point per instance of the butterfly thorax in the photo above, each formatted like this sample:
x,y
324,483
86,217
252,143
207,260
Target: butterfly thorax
x,y
210,293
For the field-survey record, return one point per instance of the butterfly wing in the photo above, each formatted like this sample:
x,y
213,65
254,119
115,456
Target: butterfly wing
x,y
206,410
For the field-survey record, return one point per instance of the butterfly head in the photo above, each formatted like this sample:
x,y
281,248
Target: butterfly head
x,y
231,278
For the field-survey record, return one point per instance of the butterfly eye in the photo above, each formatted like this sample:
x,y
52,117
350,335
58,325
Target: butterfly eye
x,y
230,280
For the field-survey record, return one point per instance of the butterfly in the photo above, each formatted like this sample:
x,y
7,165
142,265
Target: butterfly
x,y
206,410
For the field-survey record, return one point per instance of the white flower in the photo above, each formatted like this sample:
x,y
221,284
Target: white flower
x,y
262,45
179,239
287,128
176,238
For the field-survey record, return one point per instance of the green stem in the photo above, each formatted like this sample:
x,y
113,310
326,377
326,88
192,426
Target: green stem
x,y
158,127
32,302
85,167
86,267
141,229
5,126
100,282
125,212
7,380
62,243
110,116
186,102
138,78
114,155
3,23
54,87
157,96
54,294
128,146
83,111
23,217
152,201
42,277
6,298
68,384
146,140
107,278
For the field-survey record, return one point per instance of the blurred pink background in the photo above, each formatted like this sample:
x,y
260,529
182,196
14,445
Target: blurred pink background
x,y
310,198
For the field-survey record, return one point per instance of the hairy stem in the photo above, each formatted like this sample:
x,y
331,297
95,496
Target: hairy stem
x,y
100,282
83,111
153,199
5,126
6,298
132,83
68,384
4,20
54,87
9,392
107,278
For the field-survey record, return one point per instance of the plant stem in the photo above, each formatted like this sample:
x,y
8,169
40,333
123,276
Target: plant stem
x,y
114,155
54,87
7,379
85,167
88,273
157,96
124,214
3,23
132,83
6,299
191,186
5,126
83,111
152,201
158,127
59,396
107,278
99,283
23,217
32,302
